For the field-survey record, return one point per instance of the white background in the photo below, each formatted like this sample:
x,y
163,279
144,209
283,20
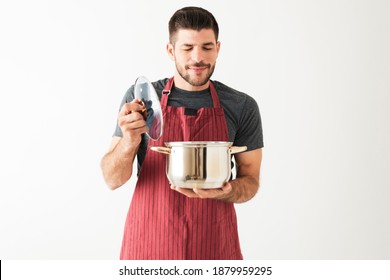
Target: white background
x,y
320,71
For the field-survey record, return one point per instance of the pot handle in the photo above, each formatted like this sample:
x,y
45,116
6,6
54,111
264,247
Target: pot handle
x,y
163,150
235,150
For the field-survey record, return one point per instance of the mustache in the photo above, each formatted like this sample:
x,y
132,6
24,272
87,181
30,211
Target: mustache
x,y
200,64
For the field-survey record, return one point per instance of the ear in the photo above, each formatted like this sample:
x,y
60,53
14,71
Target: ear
x,y
218,46
171,51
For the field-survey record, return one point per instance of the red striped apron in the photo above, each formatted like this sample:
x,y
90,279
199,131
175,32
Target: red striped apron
x,y
164,224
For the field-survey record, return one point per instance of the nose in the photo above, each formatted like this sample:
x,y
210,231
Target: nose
x,y
197,55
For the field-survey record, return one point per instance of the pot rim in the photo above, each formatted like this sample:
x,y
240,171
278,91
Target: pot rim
x,y
199,144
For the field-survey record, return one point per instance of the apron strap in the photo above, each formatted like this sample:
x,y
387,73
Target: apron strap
x,y
214,96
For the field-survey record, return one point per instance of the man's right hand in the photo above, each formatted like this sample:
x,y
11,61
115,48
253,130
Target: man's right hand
x,y
132,123
116,163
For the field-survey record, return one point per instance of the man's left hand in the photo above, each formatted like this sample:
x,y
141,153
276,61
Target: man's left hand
x,y
222,193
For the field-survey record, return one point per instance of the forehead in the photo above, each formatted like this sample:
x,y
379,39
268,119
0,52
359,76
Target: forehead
x,y
190,36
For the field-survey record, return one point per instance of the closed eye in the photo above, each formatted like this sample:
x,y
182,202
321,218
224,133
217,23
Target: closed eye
x,y
187,47
208,46
205,47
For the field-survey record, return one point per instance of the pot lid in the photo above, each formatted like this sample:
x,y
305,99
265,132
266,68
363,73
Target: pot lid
x,y
144,90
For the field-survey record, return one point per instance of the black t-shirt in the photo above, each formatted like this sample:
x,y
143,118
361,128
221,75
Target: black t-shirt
x,y
241,113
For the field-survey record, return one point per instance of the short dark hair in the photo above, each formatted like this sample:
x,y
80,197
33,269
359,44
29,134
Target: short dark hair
x,y
194,18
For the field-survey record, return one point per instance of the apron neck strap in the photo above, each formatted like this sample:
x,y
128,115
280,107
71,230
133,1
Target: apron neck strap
x,y
168,87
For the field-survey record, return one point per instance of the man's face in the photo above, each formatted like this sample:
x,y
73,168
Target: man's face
x,y
195,54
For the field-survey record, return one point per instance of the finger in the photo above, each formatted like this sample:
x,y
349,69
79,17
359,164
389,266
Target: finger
x,y
132,118
132,125
134,128
129,129
227,188
186,192
214,193
129,107
208,193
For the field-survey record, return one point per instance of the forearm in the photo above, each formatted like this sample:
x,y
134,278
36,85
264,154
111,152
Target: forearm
x,y
117,165
243,189
239,190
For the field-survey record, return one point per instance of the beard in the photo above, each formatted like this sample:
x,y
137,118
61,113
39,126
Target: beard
x,y
196,80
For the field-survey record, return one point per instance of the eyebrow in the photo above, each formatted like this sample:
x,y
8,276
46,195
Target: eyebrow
x,y
203,45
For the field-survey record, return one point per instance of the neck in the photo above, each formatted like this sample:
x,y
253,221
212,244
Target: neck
x,y
183,84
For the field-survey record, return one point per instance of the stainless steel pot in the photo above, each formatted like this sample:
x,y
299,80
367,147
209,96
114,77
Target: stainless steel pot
x,y
200,164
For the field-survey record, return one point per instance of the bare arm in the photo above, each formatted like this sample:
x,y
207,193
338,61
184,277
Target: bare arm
x,y
246,185
239,190
117,163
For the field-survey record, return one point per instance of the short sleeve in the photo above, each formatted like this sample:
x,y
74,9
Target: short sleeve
x,y
250,130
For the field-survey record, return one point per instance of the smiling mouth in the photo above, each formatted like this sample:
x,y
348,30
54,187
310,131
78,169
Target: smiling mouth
x,y
198,68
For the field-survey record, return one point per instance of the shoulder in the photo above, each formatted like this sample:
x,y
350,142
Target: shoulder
x,y
159,85
231,95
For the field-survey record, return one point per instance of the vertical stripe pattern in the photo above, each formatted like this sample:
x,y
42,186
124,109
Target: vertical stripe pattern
x,y
164,224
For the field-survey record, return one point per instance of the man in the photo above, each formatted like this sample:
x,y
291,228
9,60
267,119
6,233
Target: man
x,y
169,222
